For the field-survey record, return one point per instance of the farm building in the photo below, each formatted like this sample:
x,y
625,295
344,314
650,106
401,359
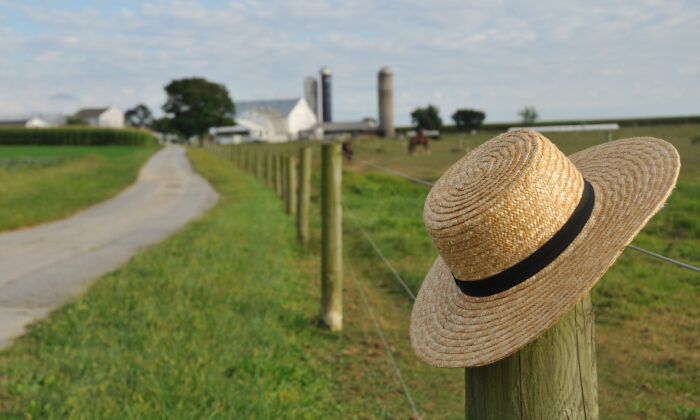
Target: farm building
x,y
273,121
341,129
102,117
29,122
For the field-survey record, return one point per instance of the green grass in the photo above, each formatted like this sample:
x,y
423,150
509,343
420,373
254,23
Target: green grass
x,y
217,322
42,183
221,319
648,311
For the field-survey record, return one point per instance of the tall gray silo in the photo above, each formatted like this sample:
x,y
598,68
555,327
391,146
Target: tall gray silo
x,y
324,95
385,89
310,92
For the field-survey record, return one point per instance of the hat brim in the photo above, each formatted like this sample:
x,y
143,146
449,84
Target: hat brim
x,y
631,178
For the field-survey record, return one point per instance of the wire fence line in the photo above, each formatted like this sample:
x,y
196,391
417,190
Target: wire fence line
x,y
380,253
381,336
391,171
661,257
430,184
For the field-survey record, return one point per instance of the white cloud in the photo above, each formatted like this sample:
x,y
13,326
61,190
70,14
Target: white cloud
x,y
572,59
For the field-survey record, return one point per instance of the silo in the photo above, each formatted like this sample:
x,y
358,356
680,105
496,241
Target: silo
x,y
310,92
386,102
324,95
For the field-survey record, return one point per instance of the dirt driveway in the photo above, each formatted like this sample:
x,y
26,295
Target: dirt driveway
x,y
45,266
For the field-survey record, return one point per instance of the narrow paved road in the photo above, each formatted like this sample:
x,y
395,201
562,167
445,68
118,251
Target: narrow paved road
x,y
45,266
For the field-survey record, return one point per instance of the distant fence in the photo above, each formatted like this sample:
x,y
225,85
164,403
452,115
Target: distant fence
x,y
74,136
622,122
567,385
569,128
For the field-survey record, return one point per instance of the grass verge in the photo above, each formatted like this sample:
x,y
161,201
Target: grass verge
x,y
42,183
219,321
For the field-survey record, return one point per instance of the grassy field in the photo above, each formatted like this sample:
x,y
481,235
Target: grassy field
x,y
647,310
220,320
42,183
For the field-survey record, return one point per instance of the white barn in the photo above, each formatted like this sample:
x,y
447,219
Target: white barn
x,y
102,117
273,121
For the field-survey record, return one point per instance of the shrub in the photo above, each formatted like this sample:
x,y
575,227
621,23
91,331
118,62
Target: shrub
x,y
82,136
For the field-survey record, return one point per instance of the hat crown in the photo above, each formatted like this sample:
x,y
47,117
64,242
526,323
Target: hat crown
x,y
500,203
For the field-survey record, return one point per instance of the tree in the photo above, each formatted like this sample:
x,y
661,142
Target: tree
x,y
468,119
196,104
163,125
75,121
528,114
427,118
139,116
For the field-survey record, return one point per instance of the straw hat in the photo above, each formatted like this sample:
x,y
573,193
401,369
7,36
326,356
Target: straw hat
x,y
523,232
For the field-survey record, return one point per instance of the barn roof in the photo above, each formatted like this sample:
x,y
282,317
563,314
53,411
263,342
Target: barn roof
x,y
90,112
281,106
21,121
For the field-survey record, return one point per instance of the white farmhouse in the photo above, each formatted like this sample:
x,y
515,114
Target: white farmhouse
x,y
102,117
29,122
273,121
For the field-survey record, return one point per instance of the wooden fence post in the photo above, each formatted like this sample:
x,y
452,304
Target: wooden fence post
x,y
268,169
553,377
278,174
258,166
284,179
291,185
304,195
331,237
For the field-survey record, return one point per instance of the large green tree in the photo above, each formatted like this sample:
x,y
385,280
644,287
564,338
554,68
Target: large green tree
x,y
139,116
427,118
468,119
196,104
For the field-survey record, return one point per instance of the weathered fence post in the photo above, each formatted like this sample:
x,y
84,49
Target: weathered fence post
x,y
258,166
278,174
268,169
304,195
331,237
284,179
554,377
292,185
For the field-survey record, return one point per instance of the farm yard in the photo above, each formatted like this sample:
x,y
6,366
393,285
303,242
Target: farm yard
x,y
227,322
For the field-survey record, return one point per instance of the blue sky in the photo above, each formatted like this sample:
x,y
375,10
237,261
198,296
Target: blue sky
x,y
569,59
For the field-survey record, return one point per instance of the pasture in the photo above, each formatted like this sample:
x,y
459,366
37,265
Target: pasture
x,y
647,310
226,324
43,183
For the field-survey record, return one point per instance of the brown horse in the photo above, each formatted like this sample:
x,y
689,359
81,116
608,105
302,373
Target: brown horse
x,y
347,149
420,139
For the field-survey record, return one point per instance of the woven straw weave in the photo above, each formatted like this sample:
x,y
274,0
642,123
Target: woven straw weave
x,y
499,204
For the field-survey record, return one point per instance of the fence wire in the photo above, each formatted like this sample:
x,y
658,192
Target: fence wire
x,y
380,253
430,184
381,336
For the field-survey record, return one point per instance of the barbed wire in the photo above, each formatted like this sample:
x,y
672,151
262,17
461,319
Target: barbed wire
x,y
381,336
428,183
380,253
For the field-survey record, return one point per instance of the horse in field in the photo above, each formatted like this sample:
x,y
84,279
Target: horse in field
x,y
420,139
347,149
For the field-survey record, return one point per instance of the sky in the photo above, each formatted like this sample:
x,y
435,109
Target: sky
x,y
569,59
